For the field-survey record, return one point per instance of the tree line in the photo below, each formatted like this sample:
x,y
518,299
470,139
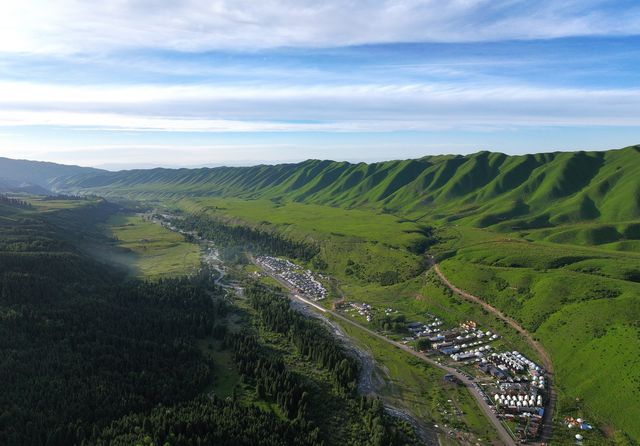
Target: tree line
x,y
234,240
5,199
311,340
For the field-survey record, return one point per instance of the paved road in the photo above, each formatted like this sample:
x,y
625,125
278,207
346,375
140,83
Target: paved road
x,y
369,382
547,428
502,432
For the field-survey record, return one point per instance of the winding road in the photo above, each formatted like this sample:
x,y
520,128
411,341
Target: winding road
x,y
473,389
504,435
547,428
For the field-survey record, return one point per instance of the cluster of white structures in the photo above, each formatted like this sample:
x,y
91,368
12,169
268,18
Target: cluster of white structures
x,y
363,309
303,281
517,363
464,342
527,401
473,353
421,329
521,383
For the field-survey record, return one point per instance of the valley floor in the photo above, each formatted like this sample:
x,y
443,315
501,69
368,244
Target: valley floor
x,y
535,285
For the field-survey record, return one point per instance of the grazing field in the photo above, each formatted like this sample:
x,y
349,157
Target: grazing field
x,y
364,243
551,239
43,204
311,219
577,300
582,304
150,250
415,386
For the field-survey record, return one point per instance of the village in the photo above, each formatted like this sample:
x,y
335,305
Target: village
x,y
512,384
302,280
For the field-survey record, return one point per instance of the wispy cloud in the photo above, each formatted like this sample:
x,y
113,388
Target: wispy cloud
x,y
76,26
318,76
340,108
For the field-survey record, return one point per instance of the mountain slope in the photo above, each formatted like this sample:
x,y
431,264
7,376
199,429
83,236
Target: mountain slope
x,y
35,176
483,189
507,229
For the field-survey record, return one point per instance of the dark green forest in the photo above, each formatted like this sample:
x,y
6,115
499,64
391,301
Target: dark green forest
x,y
89,355
81,344
235,240
312,342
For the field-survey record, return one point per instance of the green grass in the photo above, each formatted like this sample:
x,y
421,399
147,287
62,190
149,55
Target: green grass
x,y
376,242
415,386
551,239
44,205
149,250
310,218
576,301
225,373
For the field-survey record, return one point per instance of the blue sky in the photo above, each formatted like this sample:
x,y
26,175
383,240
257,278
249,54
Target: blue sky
x,y
146,83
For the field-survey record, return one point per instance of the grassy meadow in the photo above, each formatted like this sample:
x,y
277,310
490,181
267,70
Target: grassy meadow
x,y
375,243
579,301
551,239
148,249
45,204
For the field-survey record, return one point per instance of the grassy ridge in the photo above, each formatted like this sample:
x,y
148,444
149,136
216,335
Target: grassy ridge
x,y
582,305
551,239
483,189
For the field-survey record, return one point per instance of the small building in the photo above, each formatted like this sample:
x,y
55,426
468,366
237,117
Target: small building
x,y
449,378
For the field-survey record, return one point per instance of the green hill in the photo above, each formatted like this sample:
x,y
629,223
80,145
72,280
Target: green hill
x,y
35,176
553,240
483,189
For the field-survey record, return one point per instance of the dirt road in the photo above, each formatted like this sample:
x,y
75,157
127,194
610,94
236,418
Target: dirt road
x,y
370,381
473,389
542,353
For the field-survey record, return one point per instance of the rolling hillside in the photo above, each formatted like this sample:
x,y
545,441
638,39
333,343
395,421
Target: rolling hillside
x,y
482,190
35,177
552,240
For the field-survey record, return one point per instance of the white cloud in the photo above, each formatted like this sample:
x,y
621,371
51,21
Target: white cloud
x,y
339,108
71,26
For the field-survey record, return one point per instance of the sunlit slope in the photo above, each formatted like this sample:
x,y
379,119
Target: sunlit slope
x,y
582,304
483,189
552,240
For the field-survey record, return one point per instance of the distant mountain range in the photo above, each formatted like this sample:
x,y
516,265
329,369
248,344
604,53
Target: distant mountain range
x,y
35,177
482,189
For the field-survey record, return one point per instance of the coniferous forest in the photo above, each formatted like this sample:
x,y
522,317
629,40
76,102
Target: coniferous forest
x,y
89,355
235,240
